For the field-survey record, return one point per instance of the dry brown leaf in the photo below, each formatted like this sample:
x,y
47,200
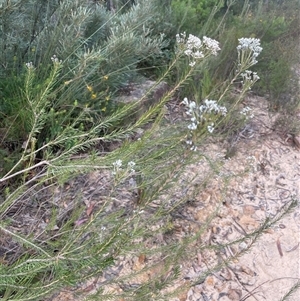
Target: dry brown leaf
x,y
142,258
296,140
183,296
269,231
89,210
80,221
279,247
199,259
234,295
246,220
210,281
248,271
89,288
139,262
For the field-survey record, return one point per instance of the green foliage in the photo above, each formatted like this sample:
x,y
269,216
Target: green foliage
x,y
62,64
191,15
100,51
69,247
274,24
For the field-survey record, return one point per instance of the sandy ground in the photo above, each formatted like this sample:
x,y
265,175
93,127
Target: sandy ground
x,y
264,175
272,265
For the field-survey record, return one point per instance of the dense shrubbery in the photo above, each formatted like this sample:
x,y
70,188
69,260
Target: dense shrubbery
x,y
191,15
274,22
62,64
100,51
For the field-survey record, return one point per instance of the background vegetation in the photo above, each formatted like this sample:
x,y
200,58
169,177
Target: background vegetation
x,y
63,64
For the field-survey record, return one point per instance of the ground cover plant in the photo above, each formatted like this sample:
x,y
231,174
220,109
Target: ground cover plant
x,y
62,65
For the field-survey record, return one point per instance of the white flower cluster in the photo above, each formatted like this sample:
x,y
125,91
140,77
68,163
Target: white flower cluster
x,y
249,75
251,44
246,111
211,106
212,45
118,166
131,165
55,60
210,127
195,49
29,65
180,38
199,114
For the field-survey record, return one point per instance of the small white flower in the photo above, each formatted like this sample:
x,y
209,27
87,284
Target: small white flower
x,y
245,111
118,163
180,38
131,165
211,106
188,52
193,42
211,45
193,46
201,113
202,108
249,78
223,111
251,44
117,166
210,128
255,76
185,101
55,60
198,55
192,105
29,65
192,126
193,148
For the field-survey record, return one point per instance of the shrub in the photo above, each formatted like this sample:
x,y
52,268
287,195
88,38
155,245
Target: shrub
x,y
191,15
74,242
100,52
83,210
274,24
